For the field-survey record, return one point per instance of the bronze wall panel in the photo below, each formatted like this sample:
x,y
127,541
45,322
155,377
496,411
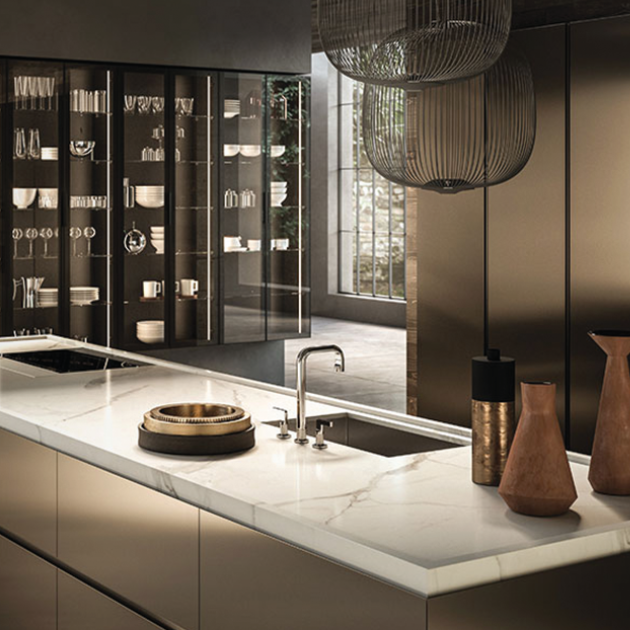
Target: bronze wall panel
x,y
412,302
526,231
600,206
450,294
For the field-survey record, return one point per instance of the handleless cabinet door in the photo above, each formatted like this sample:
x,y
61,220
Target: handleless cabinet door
x,y
83,608
28,590
135,541
28,492
250,580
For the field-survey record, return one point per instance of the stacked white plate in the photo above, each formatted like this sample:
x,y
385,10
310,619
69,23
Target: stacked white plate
x,y
150,196
157,238
50,153
47,297
82,296
232,107
278,193
150,331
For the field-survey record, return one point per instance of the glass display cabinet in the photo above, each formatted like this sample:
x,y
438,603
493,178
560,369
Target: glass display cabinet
x,y
134,216
288,287
34,177
88,197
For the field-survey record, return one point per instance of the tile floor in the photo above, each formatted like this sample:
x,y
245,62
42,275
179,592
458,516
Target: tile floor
x,y
375,363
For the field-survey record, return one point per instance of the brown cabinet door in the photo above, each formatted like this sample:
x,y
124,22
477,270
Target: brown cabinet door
x,y
28,492
249,580
28,590
135,541
82,607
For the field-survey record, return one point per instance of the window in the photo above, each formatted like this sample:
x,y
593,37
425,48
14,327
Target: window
x,y
372,211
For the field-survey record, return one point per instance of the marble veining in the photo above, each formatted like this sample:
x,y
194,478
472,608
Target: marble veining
x,y
416,521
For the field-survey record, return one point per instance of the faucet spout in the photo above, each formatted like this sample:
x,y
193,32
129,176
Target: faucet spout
x,y
300,369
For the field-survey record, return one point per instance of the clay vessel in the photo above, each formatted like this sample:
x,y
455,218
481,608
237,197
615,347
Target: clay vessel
x,y
537,480
610,462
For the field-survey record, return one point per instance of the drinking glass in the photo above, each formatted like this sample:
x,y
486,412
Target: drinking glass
x,y
21,92
75,235
144,104
34,145
20,143
187,106
130,103
89,233
17,235
46,234
31,234
33,91
157,104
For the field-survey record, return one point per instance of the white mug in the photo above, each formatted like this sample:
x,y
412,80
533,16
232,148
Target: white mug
x,y
231,242
151,288
280,243
253,244
189,287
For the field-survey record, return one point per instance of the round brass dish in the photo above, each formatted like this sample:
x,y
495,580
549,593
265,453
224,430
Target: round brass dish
x,y
191,413
234,421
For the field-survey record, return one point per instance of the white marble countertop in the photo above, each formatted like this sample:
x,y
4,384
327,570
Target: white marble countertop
x,y
414,521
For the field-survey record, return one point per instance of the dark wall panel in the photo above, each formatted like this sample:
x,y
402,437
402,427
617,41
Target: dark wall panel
x,y
450,294
600,206
231,34
526,231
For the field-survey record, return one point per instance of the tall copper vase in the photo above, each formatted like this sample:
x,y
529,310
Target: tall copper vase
x,y
610,462
537,480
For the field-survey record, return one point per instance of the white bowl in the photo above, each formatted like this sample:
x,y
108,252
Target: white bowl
x,y
277,150
250,150
230,150
158,229
150,196
23,197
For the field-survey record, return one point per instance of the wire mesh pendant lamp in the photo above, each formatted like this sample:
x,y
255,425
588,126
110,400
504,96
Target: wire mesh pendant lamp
x,y
413,43
471,134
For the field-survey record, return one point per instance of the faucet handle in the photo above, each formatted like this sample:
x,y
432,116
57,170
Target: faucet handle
x,y
284,424
320,444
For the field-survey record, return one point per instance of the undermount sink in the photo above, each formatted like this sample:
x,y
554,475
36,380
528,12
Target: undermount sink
x,y
364,433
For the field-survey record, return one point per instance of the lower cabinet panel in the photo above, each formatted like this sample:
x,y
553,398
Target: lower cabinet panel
x,y
587,596
83,608
28,491
135,541
28,590
249,580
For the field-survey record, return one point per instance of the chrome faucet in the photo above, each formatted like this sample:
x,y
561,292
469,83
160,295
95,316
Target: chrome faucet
x,y
300,368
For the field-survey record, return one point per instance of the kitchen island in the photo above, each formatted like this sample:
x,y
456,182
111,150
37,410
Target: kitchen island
x,y
282,536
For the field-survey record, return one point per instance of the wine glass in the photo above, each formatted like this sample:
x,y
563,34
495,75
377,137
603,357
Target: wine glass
x,y
20,143
17,235
46,234
75,235
157,104
130,103
33,91
187,106
31,234
89,232
144,104
34,145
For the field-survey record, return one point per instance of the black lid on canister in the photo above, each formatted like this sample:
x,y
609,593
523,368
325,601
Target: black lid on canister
x,y
493,377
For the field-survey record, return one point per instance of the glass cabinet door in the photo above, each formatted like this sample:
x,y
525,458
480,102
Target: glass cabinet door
x,y
144,223
288,301
242,208
34,179
90,201
194,219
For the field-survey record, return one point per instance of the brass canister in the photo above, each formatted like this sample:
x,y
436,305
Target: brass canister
x,y
493,430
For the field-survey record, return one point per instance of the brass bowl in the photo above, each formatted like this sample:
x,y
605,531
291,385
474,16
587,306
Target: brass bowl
x,y
197,419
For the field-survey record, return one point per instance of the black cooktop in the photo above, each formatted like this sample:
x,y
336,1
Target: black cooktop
x,y
64,361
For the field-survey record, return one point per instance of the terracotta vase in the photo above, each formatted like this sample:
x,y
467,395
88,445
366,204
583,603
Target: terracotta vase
x,y
610,462
537,480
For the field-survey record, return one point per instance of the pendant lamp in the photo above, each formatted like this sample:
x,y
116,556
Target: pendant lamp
x,y
413,43
471,134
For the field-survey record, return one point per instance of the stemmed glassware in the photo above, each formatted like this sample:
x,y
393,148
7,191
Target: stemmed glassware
x,y
46,234
75,234
34,145
17,235
130,103
89,232
157,104
19,142
21,91
31,234
33,91
144,104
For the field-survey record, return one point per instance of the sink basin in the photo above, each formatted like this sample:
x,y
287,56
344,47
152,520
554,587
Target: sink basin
x,y
366,434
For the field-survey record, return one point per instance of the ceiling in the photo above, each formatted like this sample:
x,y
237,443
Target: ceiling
x,y
528,13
